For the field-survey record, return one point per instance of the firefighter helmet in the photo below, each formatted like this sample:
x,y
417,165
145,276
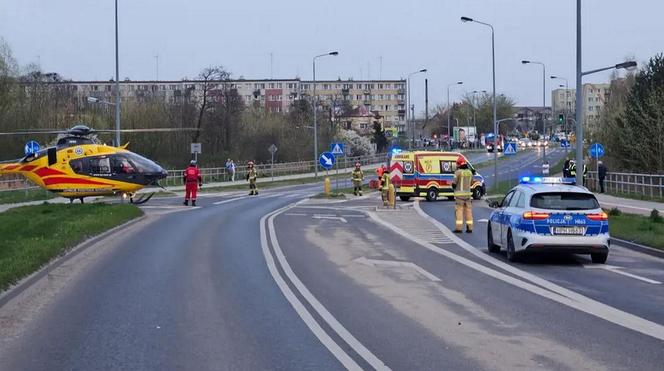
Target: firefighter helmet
x,y
460,161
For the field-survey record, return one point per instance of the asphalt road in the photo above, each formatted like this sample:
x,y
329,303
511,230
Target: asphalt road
x,y
279,281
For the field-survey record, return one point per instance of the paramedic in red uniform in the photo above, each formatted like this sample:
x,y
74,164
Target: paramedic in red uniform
x,y
192,180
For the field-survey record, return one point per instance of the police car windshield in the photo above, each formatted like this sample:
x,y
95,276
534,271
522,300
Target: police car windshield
x,y
564,201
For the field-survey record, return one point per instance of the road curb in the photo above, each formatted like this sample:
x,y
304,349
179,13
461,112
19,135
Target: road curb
x,y
28,281
639,248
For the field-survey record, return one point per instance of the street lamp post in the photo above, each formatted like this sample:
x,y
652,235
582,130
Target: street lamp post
x,y
493,68
566,111
579,97
449,129
315,106
543,100
117,81
408,108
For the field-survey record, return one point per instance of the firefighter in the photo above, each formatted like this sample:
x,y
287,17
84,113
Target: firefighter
x,y
251,177
463,177
385,186
192,181
358,177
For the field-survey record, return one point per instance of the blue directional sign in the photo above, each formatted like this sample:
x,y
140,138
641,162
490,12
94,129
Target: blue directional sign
x,y
337,149
327,160
31,148
510,148
564,143
596,150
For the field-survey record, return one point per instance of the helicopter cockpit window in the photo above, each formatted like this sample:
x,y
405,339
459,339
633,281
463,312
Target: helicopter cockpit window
x,y
78,166
142,164
121,165
100,165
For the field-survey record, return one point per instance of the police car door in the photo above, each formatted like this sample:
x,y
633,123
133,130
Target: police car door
x,y
510,212
497,218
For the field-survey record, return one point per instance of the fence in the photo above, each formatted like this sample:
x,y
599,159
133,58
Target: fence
x,y
651,185
220,174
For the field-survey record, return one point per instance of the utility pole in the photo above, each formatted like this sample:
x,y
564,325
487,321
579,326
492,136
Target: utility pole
x,y
117,81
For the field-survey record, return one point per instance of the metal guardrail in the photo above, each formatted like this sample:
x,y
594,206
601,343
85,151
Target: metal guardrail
x,y
221,174
629,183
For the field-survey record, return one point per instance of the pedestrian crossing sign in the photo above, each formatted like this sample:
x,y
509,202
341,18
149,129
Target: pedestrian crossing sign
x,y
337,149
510,148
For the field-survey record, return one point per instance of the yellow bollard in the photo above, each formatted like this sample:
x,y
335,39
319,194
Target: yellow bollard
x,y
327,187
391,197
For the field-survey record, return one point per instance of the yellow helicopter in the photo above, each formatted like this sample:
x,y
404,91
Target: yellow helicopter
x,y
79,166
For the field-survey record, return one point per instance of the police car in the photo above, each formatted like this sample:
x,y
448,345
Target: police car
x,y
549,214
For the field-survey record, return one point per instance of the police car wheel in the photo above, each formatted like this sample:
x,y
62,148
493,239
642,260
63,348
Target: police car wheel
x,y
599,258
432,194
493,248
511,252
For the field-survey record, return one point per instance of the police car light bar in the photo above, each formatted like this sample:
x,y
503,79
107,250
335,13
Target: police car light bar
x,y
546,180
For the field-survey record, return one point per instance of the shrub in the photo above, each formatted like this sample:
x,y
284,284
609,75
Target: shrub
x,y
615,212
655,217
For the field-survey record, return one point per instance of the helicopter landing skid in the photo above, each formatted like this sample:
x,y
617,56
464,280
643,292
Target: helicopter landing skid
x,y
141,199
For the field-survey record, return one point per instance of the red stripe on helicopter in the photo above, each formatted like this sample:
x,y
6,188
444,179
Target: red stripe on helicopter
x,y
11,167
65,180
46,171
28,168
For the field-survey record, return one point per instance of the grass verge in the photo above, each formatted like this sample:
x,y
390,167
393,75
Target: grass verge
x,y
34,235
636,228
36,194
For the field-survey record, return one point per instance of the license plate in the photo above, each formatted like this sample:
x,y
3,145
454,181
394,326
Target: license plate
x,y
569,230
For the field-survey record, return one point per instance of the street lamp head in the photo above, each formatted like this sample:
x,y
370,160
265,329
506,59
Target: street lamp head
x,y
629,64
334,53
553,77
525,62
459,82
561,86
423,70
466,19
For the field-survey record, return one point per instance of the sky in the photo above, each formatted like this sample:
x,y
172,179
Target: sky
x,y
376,39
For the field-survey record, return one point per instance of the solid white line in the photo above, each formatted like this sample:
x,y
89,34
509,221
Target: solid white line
x,y
625,206
546,288
358,347
308,319
353,216
614,269
296,214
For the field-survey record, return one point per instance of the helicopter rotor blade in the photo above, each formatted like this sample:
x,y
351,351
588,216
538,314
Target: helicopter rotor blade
x,y
34,132
153,130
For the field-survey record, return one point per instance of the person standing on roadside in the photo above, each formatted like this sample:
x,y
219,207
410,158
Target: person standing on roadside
x,y
566,168
601,174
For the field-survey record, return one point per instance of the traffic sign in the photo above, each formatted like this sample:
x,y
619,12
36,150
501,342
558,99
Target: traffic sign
x,y
510,148
272,149
327,160
564,143
337,149
31,148
596,150
196,148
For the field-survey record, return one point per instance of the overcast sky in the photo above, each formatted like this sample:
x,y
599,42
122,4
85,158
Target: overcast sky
x,y
76,39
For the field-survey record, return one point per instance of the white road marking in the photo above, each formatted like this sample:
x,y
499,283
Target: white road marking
x,y
483,221
231,200
615,269
395,263
296,214
317,216
625,206
538,286
354,216
308,319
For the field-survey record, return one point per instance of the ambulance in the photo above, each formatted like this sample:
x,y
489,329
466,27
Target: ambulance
x,y
429,174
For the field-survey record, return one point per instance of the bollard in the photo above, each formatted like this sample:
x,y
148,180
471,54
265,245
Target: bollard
x,y
391,196
327,186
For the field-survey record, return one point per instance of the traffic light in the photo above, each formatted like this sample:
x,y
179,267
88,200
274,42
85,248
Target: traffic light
x,y
561,118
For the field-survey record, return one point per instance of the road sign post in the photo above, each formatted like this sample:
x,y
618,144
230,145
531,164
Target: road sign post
x,y
272,149
196,150
510,149
337,149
